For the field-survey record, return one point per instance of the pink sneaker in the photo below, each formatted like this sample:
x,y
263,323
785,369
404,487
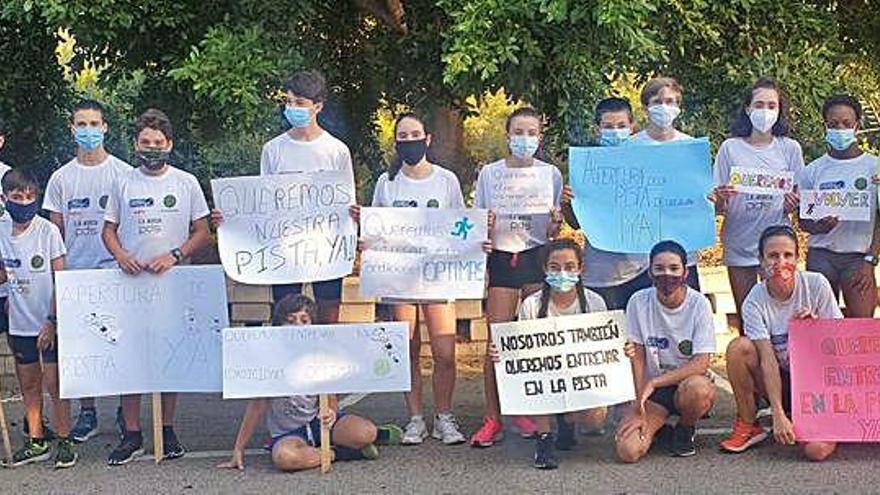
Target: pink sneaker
x,y
488,434
525,425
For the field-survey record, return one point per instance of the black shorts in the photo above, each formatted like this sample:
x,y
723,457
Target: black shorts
x,y
4,316
327,290
665,396
785,381
25,350
515,270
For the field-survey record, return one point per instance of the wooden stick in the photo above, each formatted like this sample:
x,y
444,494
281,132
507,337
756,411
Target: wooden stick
x,y
324,409
7,445
158,451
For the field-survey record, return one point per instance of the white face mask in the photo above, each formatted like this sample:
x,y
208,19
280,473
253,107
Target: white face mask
x,y
663,115
763,119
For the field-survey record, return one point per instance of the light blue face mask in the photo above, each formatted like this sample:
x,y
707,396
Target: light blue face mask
x,y
840,139
89,138
613,137
562,281
523,146
299,117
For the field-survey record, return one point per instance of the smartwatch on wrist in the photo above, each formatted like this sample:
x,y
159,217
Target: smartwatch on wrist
x,y
178,254
870,258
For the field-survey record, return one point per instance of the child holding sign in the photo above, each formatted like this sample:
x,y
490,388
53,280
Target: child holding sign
x,y
514,274
32,252
674,336
294,422
845,251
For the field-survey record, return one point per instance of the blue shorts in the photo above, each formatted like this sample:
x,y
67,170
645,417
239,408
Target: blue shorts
x,y
310,433
327,290
26,352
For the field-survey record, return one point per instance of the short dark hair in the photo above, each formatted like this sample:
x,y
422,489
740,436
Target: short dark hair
x,y
669,247
307,84
155,119
87,104
654,86
844,100
18,179
396,160
777,231
560,245
292,303
742,124
523,112
613,104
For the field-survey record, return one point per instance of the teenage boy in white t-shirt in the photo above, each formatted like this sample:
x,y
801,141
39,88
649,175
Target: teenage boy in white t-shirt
x,y
156,217
32,252
75,198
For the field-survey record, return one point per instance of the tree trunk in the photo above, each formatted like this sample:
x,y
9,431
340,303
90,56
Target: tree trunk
x,y
447,142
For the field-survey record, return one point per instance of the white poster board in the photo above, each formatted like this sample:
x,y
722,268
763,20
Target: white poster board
x,y
289,228
123,334
562,364
761,181
845,204
522,191
315,359
423,253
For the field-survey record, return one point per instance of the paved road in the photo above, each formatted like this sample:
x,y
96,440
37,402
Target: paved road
x,y
207,427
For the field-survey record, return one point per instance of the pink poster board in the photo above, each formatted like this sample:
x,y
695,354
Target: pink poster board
x,y
835,379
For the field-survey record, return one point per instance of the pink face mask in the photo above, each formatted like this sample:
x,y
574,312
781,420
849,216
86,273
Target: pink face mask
x,y
782,272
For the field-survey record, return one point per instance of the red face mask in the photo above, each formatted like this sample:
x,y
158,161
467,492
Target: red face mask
x,y
667,284
782,272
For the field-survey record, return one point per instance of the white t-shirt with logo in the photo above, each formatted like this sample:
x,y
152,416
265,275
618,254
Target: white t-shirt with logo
x,y
28,260
154,213
80,194
284,155
530,307
671,336
5,225
440,189
533,227
826,173
765,318
749,214
286,414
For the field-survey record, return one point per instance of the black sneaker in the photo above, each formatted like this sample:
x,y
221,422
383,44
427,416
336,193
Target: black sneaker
x,y
48,434
34,450
86,426
564,433
131,446
65,454
544,456
683,441
663,437
171,447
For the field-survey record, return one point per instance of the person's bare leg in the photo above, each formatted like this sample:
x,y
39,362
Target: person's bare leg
x,y
440,319
354,432
30,380
293,454
633,446
543,423
594,418
859,304
819,451
407,313
61,408
501,307
742,279
169,408
131,411
694,398
742,369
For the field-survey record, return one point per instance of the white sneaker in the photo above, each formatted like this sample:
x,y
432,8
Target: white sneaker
x,y
446,429
416,432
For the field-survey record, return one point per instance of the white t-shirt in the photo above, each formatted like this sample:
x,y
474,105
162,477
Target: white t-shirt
x,y
530,306
285,155
440,189
154,213
80,194
5,225
765,318
749,214
286,414
671,336
28,260
533,227
828,173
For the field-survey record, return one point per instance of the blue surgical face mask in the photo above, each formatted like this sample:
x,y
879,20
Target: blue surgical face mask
x,y
840,139
613,137
299,117
523,146
663,115
22,213
89,138
562,281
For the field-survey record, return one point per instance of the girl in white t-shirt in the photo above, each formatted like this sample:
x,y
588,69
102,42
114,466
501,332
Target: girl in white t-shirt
x,y
845,251
414,182
759,141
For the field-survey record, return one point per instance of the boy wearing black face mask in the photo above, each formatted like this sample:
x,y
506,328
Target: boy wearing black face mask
x,y
32,252
155,219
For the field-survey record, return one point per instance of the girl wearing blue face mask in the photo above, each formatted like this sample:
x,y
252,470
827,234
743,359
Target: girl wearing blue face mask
x,y
845,251
514,267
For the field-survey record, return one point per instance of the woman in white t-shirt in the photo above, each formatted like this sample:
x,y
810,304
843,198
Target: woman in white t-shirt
x,y
674,335
414,182
845,251
759,141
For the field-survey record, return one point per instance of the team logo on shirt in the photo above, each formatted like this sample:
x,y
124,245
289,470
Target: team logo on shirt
x,y
686,347
102,202
658,342
405,203
861,183
11,262
835,184
169,201
433,203
140,203
38,263
78,203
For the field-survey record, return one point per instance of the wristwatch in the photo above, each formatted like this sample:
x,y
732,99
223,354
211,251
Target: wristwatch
x,y
870,258
177,253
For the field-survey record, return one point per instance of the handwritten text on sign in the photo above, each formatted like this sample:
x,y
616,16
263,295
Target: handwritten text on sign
x,y
522,191
628,198
845,204
123,334
288,228
835,379
423,253
319,359
562,364
761,181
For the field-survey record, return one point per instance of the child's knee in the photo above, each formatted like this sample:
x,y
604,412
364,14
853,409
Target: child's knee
x,y
819,451
629,450
287,458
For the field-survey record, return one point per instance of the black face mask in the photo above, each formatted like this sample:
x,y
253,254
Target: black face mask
x,y
153,159
22,213
412,152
